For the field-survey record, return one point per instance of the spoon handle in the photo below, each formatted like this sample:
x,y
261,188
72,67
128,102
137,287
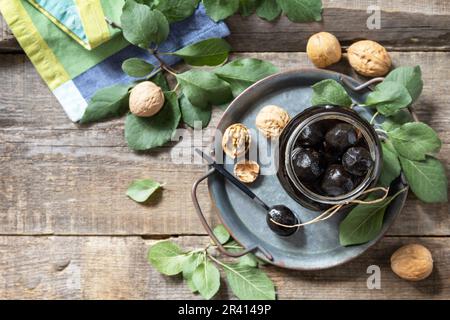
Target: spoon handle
x,y
220,169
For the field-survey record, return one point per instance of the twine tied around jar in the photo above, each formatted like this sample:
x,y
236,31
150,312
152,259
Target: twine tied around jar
x,y
330,212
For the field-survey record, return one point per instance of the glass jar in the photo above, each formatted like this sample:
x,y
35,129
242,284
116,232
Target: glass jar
x,y
298,190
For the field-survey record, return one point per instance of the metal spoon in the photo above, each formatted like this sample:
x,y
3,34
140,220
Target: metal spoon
x,y
278,213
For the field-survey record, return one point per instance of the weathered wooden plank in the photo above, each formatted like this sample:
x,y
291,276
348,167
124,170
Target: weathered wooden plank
x,y
420,25
71,193
7,41
116,268
399,31
59,178
25,100
432,7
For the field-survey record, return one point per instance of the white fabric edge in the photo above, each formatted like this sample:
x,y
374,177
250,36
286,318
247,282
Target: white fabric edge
x,y
71,100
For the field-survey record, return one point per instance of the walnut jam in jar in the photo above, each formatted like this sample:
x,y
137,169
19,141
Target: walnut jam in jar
x,y
329,155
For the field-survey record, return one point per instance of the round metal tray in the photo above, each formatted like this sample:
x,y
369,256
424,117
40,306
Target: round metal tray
x,y
312,247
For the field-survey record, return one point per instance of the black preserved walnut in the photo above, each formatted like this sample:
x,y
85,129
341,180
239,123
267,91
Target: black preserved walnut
x,y
308,164
336,181
341,137
311,135
283,215
357,161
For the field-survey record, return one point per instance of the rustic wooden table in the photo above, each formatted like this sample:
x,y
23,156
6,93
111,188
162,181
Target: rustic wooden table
x,y
67,230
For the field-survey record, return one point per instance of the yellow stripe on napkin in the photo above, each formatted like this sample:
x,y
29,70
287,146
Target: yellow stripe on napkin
x,y
94,23
33,44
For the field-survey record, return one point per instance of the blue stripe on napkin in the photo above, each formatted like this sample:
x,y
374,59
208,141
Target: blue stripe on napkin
x,y
107,73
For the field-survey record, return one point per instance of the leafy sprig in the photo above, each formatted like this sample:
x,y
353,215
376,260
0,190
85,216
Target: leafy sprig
x,y
200,268
190,100
409,147
146,23
270,10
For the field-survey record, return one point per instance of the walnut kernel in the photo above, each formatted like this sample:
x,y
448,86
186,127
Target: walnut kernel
x,y
236,140
271,120
246,170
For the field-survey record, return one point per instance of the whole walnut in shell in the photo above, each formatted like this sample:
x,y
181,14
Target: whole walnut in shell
x,y
369,58
323,49
146,99
236,140
246,170
271,121
412,262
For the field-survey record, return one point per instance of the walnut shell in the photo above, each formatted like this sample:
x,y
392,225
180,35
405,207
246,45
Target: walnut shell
x,y
412,262
369,58
271,120
246,170
323,49
146,99
236,140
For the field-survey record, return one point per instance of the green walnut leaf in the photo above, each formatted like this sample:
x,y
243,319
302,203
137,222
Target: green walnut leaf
x,y
302,10
150,3
143,26
415,140
249,283
141,190
221,234
397,120
391,165
249,259
363,223
196,118
210,52
242,73
155,131
330,92
206,279
176,10
106,103
269,10
137,68
191,285
410,78
189,266
247,7
389,97
193,116
220,9
203,88
160,80
426,178
167,258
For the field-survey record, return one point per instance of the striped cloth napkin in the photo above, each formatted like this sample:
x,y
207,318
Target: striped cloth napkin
x,y
76,52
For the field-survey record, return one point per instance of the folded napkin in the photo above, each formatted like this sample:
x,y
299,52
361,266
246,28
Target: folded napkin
x,y
83,20
76,52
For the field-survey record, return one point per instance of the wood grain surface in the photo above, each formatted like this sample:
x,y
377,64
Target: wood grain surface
x,y
68,231
116,268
